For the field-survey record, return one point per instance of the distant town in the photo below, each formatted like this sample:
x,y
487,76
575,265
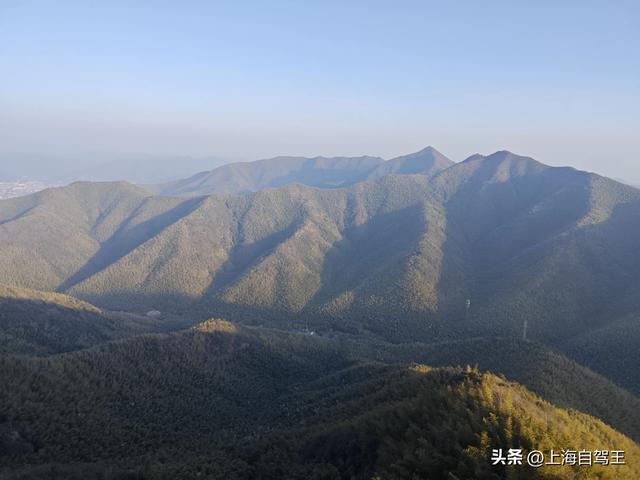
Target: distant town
x,y
22,187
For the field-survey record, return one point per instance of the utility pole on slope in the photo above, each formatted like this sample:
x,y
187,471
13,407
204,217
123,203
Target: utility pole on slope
x,y
524,331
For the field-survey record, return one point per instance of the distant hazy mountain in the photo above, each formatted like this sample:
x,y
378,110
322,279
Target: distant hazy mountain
x,y
247,177
400,257
428,162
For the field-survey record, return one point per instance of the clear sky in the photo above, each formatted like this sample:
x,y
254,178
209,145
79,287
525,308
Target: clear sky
x,y
556,80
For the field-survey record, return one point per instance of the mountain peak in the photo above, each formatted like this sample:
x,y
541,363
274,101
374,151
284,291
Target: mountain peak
x,y
427,161
503,164
428,149
499,155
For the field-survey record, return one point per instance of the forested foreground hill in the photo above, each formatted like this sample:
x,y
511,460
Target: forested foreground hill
x,y
547,373
46,323
225,401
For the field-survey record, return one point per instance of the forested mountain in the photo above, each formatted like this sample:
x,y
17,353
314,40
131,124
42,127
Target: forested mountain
x,y
401,257
611,350
246,177
401,264
546,372
224,401
46,323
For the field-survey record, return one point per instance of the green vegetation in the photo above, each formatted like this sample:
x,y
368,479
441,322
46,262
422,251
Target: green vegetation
x,y
45,323
611,350
225,401
547,373
398,257
517,238
448,267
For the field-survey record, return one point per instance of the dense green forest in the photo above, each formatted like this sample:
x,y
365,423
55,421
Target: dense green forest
x,y
44,323
547,373
223,400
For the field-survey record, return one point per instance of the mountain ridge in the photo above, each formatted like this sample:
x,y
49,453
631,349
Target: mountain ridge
x,y
322,172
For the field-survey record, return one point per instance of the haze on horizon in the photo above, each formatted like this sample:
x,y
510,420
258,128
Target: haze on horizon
x,y
150,83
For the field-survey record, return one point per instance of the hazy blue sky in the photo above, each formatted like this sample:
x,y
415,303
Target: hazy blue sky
x,y
556,80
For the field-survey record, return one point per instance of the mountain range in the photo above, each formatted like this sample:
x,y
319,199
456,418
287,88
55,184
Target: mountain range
x,y
339,280
399,256
247,177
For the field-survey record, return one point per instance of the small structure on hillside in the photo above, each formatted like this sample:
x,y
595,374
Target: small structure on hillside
x,y
153,313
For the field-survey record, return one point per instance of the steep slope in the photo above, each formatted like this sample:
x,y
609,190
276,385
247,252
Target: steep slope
x,y
46,323
443,423
611,350
547,373
51,239
344,254
245,177
200,252
223,401
263,251
427,162
555,247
